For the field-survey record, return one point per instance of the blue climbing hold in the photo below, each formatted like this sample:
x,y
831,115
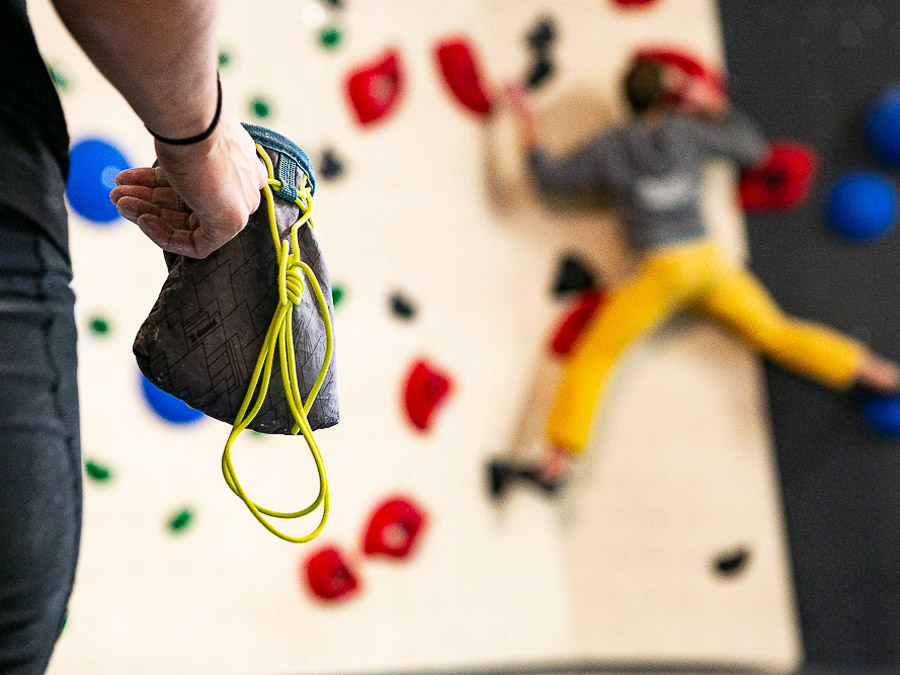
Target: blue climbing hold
x,y
883,127
169,408
882,413
862,206
93,165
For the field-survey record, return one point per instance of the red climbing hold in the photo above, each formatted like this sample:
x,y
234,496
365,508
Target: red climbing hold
x,y
784,179
633,3
328,576
573,324
394,528
375,88
461,73
425,390
686,63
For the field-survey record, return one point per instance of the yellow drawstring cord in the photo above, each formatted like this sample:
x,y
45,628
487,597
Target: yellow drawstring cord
x,y
280,337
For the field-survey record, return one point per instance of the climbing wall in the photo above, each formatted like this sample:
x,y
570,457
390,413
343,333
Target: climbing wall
x,y
669,544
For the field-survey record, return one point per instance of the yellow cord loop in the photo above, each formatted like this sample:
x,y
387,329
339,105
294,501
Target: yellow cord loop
x,y
280,340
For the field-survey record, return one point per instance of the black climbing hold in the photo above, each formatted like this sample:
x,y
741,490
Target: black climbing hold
x,y
401,307
573,275
539,72
732,562
330,167
335,4
542,35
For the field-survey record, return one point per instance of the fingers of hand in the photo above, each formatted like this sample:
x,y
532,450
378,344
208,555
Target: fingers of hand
x,y
262,174
163,197
259,173
148,176
132,208
191,240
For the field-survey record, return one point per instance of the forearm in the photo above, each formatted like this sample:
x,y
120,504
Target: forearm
x,y
160,55
527,132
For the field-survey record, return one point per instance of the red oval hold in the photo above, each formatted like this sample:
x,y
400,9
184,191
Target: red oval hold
x,y
425,390
395,528
374,89
457,62
328,576
784,179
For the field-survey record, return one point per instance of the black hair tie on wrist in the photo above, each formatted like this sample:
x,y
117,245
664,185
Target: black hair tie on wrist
x,y
201,136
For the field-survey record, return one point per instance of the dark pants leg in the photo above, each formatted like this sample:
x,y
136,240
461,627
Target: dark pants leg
x,y
40,457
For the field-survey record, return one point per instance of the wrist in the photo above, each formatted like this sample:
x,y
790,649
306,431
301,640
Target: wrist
x,y
191,126
175,156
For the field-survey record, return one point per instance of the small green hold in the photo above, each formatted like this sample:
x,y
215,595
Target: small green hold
x,y
99,325
224,59
180,521
260,107
60,80
65,621
256,434
337,294
97,472
330,37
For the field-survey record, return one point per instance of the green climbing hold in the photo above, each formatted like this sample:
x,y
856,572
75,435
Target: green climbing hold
x,y
224,59
337,294
60,80
260,107
179,522
330,37
97,472
99,325
65,621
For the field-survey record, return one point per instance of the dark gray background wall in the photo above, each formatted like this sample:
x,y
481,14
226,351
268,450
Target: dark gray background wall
x,y
807,69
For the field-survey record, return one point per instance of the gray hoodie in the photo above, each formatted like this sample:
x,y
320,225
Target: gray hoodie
x,y
653,168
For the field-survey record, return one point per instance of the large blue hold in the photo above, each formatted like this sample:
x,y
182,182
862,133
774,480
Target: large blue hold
x,y
862,206
169,408
883,127
882,413
93,165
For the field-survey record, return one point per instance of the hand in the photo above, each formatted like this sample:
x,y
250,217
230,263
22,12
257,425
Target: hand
x,y
200,196
700,96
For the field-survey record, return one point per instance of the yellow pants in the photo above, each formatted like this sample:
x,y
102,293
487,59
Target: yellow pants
x,y
693,275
